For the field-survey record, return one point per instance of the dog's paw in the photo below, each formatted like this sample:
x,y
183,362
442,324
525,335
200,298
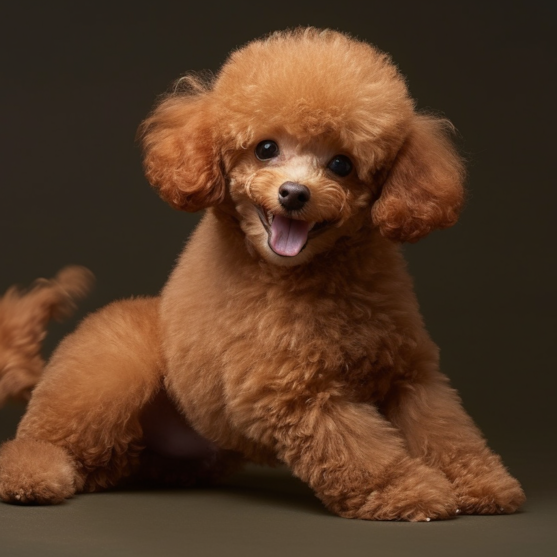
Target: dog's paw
x,y
483,485
495,494
35,472
416,494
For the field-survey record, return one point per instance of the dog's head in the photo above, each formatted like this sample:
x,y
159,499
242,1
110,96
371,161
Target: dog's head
x,y
307,136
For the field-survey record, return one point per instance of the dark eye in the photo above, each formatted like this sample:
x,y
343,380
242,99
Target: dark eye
x,y
266,150
340,165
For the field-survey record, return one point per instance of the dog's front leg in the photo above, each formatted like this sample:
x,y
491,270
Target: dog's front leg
x,y
438,430
348,453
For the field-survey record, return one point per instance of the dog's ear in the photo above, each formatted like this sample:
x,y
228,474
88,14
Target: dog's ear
x,y
424,188
182,157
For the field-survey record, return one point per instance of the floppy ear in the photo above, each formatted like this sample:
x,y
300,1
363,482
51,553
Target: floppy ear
x,y
182,154
424,188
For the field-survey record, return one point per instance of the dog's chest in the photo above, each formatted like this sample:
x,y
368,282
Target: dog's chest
x,y
352,337
225,329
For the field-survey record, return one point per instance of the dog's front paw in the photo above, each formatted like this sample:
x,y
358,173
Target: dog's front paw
x,y
416,493
483,485
35,472
492,494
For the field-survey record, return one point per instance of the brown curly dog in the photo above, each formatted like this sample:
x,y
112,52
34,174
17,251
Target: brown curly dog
x,y
289,330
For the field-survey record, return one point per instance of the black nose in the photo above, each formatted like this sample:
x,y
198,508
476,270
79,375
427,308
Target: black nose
x,y
293,196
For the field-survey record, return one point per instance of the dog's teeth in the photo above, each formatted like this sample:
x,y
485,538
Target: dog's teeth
x,y
270,217
311,226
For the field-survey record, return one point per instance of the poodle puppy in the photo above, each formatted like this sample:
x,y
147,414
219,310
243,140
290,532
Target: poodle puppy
x,y
289,331
23,320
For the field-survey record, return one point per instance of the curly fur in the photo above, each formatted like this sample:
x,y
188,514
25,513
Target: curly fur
x,y
23,320
318,359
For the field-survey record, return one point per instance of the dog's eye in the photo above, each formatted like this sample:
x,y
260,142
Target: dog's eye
x,y
340,165
266,150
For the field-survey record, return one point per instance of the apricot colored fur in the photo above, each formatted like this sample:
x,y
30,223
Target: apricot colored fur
x,y
321,360
23,320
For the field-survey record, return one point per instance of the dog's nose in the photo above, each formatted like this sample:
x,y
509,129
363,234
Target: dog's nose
x,y
293,196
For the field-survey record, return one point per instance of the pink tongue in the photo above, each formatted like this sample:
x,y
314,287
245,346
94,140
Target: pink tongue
x,y
288,236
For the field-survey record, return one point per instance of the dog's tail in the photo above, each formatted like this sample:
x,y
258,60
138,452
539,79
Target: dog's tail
x,y
24,316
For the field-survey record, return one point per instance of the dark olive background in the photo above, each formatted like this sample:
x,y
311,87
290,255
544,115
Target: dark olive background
x,y
77,78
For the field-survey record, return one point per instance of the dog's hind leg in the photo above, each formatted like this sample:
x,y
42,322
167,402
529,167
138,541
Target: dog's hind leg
x,y
82,430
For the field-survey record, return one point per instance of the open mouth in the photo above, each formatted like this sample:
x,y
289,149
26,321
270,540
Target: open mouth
x,y
288,237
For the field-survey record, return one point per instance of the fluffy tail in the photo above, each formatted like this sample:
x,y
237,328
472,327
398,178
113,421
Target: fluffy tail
x,y
24,316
